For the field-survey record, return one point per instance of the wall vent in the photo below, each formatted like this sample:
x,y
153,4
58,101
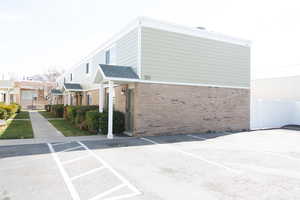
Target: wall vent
x,y
201,28
147,77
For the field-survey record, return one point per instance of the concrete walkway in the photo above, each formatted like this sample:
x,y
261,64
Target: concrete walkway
x,y
42,129
44,132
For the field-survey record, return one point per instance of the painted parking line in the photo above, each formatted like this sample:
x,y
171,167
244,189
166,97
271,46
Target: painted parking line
x,y
87,173
70,149
61,143
103,165
75,159
72,190
198,157
108,191
197,137
239,147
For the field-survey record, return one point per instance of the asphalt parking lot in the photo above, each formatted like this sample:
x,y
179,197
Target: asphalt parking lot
x,y
247,165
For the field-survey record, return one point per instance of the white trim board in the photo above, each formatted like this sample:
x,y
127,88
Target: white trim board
x,y
172,83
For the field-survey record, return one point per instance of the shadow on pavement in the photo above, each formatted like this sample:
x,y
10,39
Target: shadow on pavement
x,y
34,149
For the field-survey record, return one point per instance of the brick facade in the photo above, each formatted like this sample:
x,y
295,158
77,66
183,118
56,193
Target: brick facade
x,y
173,109
120,99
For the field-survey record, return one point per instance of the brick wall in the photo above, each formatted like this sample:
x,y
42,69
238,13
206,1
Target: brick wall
x,y
120,99
172,109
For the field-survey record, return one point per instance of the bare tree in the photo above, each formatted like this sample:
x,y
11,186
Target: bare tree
x,y
53,73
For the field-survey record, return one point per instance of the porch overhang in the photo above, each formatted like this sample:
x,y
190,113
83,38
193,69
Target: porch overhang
x,y
112,74
56,92
116,73
72,87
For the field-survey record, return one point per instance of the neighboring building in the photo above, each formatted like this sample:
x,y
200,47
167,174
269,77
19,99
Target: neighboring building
x,y
33,94
29,94
8,92
275,102
167,79
279,88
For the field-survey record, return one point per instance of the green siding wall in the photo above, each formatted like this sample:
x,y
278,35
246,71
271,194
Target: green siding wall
x,y
127,49
174,57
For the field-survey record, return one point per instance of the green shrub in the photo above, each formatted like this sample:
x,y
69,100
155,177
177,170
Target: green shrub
x,y
58,110
71,113
76,114
118,122
92,120
19,107
3,114
80,116
48,107
10,109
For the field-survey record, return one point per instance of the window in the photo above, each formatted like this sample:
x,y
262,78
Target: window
x,y
89,100
107,57
64,79
87,68
71,77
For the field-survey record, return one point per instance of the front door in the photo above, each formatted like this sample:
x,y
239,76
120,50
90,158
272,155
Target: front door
x,y
129,112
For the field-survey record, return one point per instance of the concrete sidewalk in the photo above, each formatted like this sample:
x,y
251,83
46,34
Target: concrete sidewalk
x,y
44,132
42,129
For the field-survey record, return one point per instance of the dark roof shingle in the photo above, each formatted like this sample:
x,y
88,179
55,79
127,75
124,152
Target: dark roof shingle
x,y
56,91
72,86
117,71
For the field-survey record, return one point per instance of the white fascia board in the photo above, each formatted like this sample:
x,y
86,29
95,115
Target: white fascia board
x,y
121,79
192,84
147,22
102,73
73,90
172,83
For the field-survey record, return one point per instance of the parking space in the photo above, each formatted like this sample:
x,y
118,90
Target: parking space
x,y
248,165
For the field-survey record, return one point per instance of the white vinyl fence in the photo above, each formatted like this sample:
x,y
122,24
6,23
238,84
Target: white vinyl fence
x,y
274,114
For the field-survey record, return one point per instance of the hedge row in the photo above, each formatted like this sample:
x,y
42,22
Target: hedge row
x,y
57,109
6,111
89,118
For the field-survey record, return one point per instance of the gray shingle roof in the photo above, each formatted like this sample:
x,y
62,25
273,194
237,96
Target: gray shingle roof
x,y
72,86
117,71
56,91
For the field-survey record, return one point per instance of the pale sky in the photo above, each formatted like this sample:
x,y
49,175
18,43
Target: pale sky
x,y
37,34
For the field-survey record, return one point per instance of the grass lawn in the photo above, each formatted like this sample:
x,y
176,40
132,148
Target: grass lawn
x,y
17,129
68,129
47,114
22,115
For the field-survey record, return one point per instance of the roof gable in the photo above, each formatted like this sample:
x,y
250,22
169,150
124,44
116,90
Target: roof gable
x,y
117,71
72,86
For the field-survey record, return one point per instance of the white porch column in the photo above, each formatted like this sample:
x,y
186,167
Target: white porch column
x,y
7,97
110,110
64,99
101,98
69,99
